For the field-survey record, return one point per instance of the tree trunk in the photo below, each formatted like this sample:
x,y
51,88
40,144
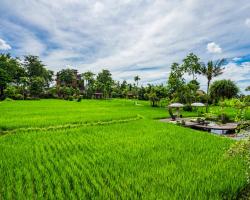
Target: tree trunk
x,y
208,84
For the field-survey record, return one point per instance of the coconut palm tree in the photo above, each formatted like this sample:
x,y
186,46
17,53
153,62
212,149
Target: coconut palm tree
x,y
211,70
136,79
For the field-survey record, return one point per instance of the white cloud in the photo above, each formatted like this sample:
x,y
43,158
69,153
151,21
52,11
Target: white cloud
x,y
238,73
124,36
98,8
247,22
4,45
212,47
236,59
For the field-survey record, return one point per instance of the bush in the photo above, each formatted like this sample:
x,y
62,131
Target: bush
x,y
71,98
79,98
224,118
32,98
8,99
164,102
19,97
188,108
10,92
210,116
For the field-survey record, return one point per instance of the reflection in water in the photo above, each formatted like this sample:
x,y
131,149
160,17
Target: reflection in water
x,y
219,132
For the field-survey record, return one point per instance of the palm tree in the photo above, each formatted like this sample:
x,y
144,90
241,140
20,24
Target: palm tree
x,y
136,79
211,70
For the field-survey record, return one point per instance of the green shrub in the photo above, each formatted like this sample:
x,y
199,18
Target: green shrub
x,y
10,92
79,99
164,102
210,116
19,97
8,99
71,98
224,118
188,108
32,98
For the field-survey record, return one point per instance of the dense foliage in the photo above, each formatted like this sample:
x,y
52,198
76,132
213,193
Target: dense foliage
x,y
223,89
30,79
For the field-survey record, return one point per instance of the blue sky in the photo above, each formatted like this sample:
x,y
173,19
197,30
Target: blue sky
x,y
129,37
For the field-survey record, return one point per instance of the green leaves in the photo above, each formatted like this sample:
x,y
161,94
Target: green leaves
x,y
191,65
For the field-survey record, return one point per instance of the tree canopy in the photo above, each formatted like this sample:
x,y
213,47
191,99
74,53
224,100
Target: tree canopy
x,y
223,89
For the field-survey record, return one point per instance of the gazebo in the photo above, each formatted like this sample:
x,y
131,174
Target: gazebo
x,y
177,106
198,105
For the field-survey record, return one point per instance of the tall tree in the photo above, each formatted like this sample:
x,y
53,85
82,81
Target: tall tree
x,y
191,65
137,79
35,68
37,86
24,83
89,85
211,70
104,82
10,71
66,77
88,77
4,80
175,81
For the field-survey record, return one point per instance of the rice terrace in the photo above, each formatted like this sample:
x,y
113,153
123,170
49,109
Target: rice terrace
x,y
124,100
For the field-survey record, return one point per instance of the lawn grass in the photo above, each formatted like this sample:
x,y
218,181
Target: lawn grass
x,y
142,159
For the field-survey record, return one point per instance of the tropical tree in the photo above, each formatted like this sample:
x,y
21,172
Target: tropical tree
x,y
89,85
191,65
104,82
175,81
24,83
88,77
190,91
10,71
153,98
247,88
37,86
211,70
137,79
4,80
66,77
35,68
223,89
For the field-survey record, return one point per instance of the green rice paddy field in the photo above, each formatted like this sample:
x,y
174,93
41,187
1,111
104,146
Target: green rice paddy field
x,y
112,149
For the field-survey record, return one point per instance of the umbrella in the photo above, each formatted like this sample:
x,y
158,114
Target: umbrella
x,y
198,104
176,105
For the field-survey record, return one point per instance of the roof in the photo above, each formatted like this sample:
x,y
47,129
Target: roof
x,y
198,104
176,105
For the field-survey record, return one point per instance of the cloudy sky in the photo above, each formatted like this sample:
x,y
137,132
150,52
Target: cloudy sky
x,y
129,37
